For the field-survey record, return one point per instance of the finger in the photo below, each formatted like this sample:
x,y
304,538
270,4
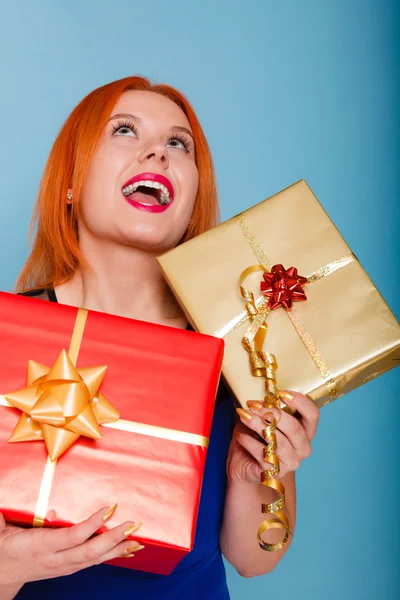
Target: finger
x,y
254,422
120,550
285,452
93,550
288,425
123,550
306,408
69,537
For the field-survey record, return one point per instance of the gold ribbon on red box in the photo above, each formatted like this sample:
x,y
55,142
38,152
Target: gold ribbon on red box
x,y
61,403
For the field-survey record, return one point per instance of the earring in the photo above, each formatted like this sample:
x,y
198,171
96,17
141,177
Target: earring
x,y
69,196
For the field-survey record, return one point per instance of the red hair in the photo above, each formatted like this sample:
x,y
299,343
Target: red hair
x,y
55,254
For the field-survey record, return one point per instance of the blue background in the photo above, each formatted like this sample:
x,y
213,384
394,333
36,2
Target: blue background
x,y
285,90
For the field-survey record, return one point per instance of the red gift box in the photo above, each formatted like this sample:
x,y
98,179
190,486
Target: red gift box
x,y
163,382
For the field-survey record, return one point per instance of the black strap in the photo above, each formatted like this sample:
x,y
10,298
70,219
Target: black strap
x,y
42,294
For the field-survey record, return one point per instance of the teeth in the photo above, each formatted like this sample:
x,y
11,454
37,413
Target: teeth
x,y
164,199
164,196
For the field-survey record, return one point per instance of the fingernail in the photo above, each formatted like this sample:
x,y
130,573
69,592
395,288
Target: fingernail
x,y
134,548
109,512
244,414
255,404
285,396
127,555
131,529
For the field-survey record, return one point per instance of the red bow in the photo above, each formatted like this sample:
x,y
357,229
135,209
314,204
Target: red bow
x,y
283,287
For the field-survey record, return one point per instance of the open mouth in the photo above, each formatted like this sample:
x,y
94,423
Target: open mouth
x,y
149,189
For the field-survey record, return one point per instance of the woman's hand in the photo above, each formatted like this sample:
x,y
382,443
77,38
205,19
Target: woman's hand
x,y
43,553
293,438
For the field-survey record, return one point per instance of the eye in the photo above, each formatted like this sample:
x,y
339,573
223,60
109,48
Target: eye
x,y
125,128
180,142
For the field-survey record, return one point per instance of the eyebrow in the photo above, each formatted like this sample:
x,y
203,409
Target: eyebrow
x,y
125,115
139,120
183,130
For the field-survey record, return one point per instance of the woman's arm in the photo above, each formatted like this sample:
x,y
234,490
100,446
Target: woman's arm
x,y
43,553
245,494
242,518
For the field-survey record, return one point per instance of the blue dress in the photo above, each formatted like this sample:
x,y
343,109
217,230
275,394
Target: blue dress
x,y
200,575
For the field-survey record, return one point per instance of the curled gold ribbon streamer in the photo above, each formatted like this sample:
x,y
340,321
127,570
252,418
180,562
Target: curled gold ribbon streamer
x,y
268,478
263,364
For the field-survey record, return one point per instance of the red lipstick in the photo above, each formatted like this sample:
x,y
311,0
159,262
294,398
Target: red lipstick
x,y
155,194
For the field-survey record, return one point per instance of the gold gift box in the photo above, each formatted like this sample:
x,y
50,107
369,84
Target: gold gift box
x,y
351,330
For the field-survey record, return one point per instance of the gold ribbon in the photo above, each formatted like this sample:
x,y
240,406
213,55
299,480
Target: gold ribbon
x,y
243,316
264,364
62,403
279,520
261,306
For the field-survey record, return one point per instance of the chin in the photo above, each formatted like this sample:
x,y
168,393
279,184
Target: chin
x,y
155,241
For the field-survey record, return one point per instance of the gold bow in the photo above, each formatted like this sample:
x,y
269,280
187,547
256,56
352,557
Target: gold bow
x,y
60,404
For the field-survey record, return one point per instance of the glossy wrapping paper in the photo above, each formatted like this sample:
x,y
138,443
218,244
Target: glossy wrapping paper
x,y
156,376
344,315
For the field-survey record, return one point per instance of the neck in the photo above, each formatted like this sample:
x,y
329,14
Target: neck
x,y
122,281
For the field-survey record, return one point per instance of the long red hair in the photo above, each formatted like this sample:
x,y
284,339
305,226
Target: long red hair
x,y
55,254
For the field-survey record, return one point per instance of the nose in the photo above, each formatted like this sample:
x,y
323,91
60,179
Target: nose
x,y
154,151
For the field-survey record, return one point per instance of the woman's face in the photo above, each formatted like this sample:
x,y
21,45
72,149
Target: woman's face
x,y
143,179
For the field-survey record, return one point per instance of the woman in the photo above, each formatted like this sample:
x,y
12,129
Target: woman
x,y
97,238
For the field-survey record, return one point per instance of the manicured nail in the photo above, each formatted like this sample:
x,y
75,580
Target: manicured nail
x,y
285,396
244,414
109,512
131,529
127,555
255,404
134,548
